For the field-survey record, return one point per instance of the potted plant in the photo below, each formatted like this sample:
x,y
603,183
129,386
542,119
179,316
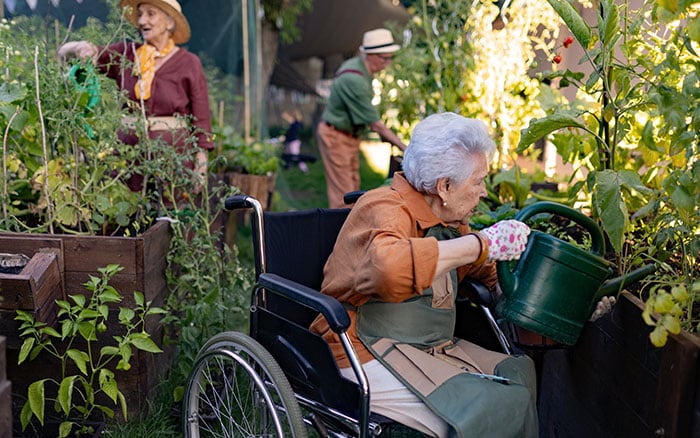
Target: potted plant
x,y
250,165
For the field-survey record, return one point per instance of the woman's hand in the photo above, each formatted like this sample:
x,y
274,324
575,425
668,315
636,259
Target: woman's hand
x,y
603,307
77,49
507,239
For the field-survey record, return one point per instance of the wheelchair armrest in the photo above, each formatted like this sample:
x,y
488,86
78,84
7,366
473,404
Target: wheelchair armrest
x,y
352,197
332,310
476,291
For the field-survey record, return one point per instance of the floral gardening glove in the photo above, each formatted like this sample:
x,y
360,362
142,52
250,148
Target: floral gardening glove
x,y
604,306
507,239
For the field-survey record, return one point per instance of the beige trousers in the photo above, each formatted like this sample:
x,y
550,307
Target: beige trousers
x,y
341,161
390,398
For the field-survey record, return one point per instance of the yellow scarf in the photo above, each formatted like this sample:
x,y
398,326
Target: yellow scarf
x,y
145,67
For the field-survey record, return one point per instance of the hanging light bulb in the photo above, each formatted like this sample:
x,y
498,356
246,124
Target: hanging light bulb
x,y
32,4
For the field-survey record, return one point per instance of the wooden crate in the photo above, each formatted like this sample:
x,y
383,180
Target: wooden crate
x,y
36,288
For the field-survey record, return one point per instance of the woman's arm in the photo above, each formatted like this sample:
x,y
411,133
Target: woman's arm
x,y
77,49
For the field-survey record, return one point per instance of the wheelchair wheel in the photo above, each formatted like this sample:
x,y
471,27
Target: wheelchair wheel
x,y
237,389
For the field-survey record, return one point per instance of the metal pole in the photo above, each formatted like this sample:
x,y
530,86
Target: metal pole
x,y
246,71
259,69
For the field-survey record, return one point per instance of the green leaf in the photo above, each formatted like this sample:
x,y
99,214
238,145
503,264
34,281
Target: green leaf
x,y
178,393
122,403
105,410
669,5
35,393
65,394
138,297
108,384
145,343
51,332
539,128
88,331
65,428
26,415
610,207
693,28
631,180
611,23
80,358
78,299
104,310
109,350
25,349
682,199
11,95
126,315
573,20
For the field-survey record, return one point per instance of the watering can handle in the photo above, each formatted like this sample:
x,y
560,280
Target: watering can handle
x,y
597,240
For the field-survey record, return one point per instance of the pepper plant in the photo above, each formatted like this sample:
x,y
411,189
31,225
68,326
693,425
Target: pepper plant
x,y
87,373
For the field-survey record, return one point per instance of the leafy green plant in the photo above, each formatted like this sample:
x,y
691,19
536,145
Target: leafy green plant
x,y
633,130
254,157
87,370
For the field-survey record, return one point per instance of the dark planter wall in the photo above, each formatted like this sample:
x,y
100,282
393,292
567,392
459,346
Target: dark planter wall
x,y
614,383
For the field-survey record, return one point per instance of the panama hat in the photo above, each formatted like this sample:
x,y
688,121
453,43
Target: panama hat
x,y
171,7
378,41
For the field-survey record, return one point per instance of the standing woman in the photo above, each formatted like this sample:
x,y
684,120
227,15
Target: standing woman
x,y
166,82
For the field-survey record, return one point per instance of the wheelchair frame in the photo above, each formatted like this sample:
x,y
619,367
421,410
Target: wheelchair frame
x,y
257,384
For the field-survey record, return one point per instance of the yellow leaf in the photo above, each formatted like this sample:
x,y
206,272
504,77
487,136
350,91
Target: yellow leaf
x,y
659,336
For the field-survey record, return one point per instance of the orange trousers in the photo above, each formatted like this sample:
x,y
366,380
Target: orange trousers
x,y
341,160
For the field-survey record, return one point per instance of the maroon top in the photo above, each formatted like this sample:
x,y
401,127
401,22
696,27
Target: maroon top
x,y
179,87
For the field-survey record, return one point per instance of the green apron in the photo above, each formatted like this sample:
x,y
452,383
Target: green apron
x,y
414,340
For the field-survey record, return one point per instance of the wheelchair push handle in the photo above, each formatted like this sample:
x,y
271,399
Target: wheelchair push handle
x,y
236,202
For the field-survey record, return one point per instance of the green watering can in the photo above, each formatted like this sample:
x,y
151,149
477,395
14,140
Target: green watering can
x,y
555,285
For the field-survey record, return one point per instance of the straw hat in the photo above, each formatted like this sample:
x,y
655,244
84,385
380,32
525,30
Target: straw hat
x,y
378,41
171,7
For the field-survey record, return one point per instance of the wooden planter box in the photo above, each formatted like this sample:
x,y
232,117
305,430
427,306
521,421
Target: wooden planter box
x,y
5,395
144,260
614,383
261,187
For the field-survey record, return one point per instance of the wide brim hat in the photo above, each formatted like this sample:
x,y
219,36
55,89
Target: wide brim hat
x,y
378,41
171,7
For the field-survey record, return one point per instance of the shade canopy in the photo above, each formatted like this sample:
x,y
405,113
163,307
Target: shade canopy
x,y
336,26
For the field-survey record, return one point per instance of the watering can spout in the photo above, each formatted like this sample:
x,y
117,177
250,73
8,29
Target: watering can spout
x,y
613,286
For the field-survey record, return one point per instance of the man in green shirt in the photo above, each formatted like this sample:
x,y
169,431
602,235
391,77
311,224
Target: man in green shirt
x,y
349,111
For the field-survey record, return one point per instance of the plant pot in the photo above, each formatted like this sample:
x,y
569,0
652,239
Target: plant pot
x,y
615,383
261,187
78,257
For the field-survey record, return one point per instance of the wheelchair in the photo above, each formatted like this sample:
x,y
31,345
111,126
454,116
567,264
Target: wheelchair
x,y
281,380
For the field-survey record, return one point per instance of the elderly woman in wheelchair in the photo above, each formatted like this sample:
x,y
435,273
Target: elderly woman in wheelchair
x,y
357,315
396,267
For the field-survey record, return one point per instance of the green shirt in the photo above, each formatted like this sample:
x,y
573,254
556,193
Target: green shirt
x,y
349,107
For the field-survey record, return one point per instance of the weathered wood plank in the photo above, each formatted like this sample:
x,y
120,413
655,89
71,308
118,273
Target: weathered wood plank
x,y
614,383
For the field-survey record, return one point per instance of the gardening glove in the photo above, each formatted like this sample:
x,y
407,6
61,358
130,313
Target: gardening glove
x,y
603,307
507,239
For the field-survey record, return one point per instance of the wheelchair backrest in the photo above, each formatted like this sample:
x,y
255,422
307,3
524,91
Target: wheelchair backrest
x,y
297,244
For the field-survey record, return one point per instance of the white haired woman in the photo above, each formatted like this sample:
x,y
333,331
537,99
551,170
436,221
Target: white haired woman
x,y
166,80
396,266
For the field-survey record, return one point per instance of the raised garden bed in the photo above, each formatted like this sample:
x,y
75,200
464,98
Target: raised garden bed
x,y
614,383
144,261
